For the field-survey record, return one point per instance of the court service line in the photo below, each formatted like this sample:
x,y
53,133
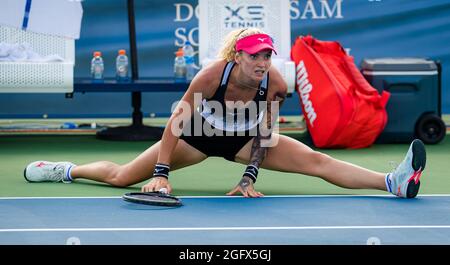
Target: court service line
x,y
132,229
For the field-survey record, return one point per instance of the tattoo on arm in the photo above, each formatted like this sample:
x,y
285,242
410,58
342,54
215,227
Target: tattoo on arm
x,y
258,153
245,182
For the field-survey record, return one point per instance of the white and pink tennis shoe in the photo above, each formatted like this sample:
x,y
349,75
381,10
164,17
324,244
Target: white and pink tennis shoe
x,y
40,171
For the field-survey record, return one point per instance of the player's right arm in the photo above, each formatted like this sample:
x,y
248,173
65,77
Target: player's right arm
x,y
202,86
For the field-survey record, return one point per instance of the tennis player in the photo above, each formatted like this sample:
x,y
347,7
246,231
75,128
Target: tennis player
x,y
209,121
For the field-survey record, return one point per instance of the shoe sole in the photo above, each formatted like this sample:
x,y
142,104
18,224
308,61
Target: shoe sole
x,y
25,174
418,163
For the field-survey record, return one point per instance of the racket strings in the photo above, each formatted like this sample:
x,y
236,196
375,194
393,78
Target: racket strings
x,y
155,198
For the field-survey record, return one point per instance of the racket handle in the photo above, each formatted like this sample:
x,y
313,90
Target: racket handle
x,y
163,190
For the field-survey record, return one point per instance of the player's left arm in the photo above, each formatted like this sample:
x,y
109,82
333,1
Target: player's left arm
x,y
263,140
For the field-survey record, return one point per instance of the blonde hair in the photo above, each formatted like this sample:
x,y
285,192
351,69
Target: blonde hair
x,y
228,50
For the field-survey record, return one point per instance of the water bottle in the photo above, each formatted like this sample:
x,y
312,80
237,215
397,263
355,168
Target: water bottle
x,y
97,67
122,66
189,58
179,67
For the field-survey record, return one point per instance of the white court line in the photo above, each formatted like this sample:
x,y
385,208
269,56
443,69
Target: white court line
x,y
120,229
224,228
230,197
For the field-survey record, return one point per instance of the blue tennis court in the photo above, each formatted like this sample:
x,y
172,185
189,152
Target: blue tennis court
x,y
218,220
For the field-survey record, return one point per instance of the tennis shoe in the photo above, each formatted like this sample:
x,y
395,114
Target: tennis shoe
x,y
404,181
40,171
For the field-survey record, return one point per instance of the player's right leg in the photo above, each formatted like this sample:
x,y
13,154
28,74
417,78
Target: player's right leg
x,y
139,169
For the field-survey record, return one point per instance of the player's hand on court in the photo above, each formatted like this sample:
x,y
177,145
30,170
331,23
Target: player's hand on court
x,y
245,187
156,184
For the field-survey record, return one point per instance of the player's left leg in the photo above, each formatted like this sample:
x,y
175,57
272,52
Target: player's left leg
x,y
290,155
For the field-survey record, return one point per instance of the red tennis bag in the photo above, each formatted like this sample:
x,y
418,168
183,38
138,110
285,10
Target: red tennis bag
x,y
341,109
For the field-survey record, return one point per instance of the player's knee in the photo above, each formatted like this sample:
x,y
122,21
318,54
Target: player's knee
x,y
319,160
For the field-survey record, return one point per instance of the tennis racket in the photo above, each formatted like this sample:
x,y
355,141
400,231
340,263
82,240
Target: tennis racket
x,y
152,198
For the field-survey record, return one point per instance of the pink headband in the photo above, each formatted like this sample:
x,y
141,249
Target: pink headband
x,y
255,43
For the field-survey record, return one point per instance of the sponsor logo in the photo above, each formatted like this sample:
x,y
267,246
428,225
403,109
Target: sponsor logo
x,y
305,88
41,164
242,16
317,9
261,39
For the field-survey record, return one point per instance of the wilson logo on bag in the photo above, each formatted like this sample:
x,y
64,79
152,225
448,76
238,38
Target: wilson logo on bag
x,y
341,109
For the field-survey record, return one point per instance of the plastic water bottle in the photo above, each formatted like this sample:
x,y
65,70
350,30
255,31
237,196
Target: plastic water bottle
x,y
189,58
122,66
97,67
179,67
